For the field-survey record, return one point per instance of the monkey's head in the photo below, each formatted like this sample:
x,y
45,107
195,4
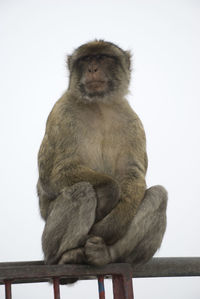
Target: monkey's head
x,y
99,71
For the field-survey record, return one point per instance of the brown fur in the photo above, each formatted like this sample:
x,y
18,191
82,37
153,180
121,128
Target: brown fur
x,y
92,167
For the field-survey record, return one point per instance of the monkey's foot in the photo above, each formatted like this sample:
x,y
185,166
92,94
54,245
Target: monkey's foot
x,y
97,252
74,256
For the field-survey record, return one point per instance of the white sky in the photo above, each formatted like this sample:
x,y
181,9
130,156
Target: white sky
x,y
164,37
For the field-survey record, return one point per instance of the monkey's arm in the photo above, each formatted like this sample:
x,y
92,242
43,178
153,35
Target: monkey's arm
x,y
45,164
132,166
107,189
60,169
112,227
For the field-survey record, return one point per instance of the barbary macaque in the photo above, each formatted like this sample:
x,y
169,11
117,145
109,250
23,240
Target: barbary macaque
x,y
92,166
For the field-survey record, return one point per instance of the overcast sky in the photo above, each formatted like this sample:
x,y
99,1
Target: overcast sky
x,y
164,38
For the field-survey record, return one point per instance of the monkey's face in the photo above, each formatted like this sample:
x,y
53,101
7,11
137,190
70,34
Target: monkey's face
x,y
94,75
99,71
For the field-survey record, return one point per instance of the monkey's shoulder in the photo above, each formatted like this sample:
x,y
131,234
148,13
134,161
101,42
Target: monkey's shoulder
x,y
60,117
131,118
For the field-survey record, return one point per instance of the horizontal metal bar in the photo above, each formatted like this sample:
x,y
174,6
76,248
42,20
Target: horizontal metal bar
x,y
37,271
29,271
169,267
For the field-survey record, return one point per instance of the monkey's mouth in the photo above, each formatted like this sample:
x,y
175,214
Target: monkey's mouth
x,y
97,86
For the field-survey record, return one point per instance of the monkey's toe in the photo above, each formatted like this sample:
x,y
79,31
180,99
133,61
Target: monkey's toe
x,y
74,256
97,252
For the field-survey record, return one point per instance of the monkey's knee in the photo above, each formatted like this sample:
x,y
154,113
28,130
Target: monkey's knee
x,y
148,226
157,196
79,192
158,191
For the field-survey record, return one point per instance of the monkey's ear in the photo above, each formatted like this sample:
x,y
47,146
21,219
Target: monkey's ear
x,y
69,61
128,59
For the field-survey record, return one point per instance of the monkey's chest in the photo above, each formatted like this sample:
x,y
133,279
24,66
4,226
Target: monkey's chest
x,y
100,150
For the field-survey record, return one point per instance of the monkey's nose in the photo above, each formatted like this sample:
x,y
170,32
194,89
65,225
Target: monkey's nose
x,y
92,68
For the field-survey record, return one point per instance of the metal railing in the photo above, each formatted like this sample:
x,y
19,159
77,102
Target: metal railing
x,y
121,273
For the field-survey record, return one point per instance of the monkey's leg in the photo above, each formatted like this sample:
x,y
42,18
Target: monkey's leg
x,y
143,237
71,217
114,225
106,188
146,231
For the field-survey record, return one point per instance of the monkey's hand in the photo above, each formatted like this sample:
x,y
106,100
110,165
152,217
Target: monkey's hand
x,y
97,252
114,225
108,194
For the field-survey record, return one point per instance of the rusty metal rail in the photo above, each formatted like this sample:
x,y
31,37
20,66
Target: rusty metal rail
x,y
121,273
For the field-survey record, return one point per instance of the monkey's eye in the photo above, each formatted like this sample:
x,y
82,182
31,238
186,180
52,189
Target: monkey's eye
x,y
85,58
100,56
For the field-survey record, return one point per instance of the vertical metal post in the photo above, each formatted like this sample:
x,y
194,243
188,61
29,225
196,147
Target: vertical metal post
x,y
128,286
56,288
101,287
122,287
8,292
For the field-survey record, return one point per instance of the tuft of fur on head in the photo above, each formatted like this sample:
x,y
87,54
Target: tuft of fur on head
x,y
119,83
